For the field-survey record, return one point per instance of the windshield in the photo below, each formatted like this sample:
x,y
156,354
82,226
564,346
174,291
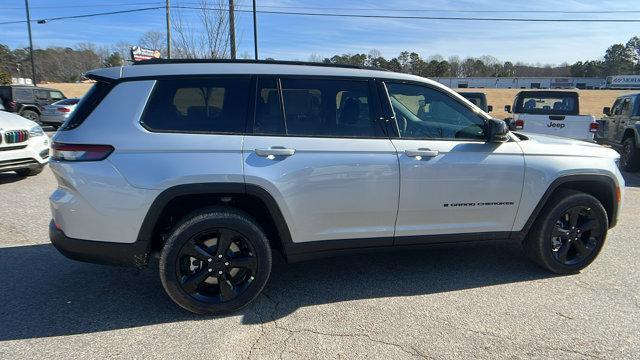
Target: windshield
x,y
553,103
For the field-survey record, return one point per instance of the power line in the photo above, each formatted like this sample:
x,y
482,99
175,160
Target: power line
x,y
416,17
327,14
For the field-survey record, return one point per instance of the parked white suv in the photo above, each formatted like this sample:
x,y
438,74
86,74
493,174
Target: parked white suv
x,y
212,165
24,147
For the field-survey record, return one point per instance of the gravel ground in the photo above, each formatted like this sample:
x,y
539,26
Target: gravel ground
x,y
480,301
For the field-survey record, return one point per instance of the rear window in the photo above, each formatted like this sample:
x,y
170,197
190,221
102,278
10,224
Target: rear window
x,y
199,105
547,103
89,101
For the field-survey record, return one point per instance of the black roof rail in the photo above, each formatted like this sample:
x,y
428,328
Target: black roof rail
x,y
250,61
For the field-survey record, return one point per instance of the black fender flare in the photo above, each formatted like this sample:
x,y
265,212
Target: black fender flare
x,y
145,233
557,183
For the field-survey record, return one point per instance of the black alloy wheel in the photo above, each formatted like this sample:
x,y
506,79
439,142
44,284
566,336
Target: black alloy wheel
x,y
216,266
575,236
569,232
215,261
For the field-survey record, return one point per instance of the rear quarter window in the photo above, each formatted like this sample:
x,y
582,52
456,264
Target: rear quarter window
x,y
198,106
23,95
87,103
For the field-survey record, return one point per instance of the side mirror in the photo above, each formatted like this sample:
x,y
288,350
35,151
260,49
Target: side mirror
x,y
496,131
606,110
489,108
507,108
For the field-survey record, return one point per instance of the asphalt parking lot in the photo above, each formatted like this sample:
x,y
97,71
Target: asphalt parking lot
x,y
457,301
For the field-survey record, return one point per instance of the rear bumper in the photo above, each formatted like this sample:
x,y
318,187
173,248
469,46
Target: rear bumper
x,y
100,252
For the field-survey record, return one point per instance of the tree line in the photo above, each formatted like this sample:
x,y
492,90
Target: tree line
x,y
66,64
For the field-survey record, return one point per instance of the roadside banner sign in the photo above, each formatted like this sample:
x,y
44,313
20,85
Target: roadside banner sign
x,y
139,54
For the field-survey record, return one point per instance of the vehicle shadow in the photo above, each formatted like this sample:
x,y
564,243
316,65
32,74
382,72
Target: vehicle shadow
x,y
9,177
43,294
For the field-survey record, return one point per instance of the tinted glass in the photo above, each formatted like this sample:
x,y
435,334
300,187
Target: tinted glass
x,y
41,94
425,113
547,103
336,108
209,105
89,101
23,94
268,118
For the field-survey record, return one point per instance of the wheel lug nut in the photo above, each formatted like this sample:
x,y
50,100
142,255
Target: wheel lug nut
x,y
209,260
220,272
220,256
210,270
226,264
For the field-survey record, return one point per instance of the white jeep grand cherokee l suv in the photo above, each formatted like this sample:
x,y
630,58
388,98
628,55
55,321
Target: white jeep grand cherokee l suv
x,y
212,165
24,147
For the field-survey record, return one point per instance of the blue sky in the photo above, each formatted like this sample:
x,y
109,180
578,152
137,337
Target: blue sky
x,y
297,37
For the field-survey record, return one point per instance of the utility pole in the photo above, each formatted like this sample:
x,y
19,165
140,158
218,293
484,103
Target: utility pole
x,y
33,66
255,30
168,32
232,31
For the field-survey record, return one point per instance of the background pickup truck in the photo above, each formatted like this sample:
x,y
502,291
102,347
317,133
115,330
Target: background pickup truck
x,y
620,129
552,113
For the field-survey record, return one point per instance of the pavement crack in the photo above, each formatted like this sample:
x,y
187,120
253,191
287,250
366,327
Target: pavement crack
x,y
412,352
564,316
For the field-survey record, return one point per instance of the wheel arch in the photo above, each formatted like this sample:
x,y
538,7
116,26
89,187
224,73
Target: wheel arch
x,y
30,107
602,187
178,201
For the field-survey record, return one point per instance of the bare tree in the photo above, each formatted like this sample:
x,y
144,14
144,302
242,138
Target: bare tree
x,y
212,41
154,40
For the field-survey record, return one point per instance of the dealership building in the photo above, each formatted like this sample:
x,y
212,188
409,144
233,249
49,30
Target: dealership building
x,y
524,82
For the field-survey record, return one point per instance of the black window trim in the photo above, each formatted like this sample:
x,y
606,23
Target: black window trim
x,y
373,92
157,80
391,113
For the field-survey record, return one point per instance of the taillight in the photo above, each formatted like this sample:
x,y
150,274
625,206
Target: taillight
x,y
593,127
64,109
72,152
12,105
519,124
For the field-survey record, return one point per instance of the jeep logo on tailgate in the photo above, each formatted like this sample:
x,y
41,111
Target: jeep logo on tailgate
x,y
555,125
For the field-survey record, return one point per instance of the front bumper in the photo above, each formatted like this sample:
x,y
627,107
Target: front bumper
x,y
100,252
30,155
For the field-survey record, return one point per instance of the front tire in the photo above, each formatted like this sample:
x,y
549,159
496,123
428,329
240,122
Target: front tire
x,y
31,115
569,233
216,261
630,156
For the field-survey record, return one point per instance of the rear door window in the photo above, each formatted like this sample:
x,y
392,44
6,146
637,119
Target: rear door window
x,y
198,105
41,95
330,107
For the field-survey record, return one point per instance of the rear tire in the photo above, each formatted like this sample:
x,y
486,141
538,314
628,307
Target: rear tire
x,y
31,115
630,155
216,261
30,172
569,232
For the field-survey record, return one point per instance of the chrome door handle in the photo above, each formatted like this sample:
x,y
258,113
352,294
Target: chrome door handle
x,y
422,152
275,151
